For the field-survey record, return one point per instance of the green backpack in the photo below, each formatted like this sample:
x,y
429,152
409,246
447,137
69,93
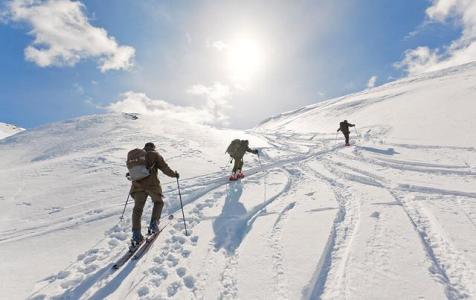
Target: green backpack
x,y
234,147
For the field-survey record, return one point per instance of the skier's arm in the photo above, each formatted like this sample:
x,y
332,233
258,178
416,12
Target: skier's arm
x,y
338,130
255,151
351,125
164,167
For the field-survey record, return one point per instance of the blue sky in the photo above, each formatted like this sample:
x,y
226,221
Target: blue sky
x,y
237,62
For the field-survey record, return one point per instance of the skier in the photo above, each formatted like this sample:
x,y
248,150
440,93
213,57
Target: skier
x,y
149,185
344,127
237,150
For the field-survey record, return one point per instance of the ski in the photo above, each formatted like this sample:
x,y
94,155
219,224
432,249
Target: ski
x,y
147,244
137,252
235,177
123,259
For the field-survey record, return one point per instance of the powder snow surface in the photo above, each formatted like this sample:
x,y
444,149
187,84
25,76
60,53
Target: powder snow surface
x,y
391,217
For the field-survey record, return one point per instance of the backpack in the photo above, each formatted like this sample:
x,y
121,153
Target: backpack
x,y
137,164
233,147
344,126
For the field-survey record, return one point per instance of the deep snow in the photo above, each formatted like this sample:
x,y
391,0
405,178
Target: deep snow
x,y
393,216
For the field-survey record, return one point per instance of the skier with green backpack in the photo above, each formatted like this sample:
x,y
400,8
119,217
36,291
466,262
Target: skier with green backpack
x,y
237,150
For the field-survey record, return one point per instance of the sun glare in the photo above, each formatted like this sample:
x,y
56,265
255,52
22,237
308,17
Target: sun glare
x,y
246,59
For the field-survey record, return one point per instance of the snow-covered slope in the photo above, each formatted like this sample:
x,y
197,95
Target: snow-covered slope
x,y
405,190
433,109
62,186
7,130
391,217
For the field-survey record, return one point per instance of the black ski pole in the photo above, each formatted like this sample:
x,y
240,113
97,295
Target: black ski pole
x,y
265,174
181,205
259,160
124,210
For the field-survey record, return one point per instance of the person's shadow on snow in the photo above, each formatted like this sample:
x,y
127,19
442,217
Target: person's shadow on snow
x,y
388,151
230,225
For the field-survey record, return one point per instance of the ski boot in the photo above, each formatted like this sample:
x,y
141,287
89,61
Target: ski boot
x,y
137,239
153,227
240,175
233,177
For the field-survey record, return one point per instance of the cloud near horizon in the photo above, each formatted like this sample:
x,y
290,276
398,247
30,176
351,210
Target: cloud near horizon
x,y
63,35
213,112
460,51
372,81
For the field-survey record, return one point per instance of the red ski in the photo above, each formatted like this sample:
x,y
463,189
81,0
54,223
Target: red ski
x,y
236,176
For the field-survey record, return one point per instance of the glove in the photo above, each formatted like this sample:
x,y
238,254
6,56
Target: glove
x,y
177,175
128,176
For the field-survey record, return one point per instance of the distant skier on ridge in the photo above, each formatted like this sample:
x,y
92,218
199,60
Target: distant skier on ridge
x,y
237,150
143,165
344,127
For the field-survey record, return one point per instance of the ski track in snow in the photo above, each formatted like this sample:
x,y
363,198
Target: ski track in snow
x,y
274,240
331,268
171,254
449,265
278,256
90,274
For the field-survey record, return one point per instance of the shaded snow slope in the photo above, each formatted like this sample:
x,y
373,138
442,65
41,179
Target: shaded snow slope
x,y
7,130
391,217
437,108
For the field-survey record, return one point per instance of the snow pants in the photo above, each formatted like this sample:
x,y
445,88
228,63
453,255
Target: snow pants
x,y
346,135
238,164
139,203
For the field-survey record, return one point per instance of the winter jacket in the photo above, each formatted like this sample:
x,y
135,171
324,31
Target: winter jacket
x,y
344,127
154,162
240,152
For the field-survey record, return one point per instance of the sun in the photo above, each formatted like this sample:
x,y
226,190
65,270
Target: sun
x,y
246,59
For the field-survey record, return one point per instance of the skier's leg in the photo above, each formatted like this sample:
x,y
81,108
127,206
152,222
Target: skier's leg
x,y
236,165
346,139
156,210
139,202
240,165
240,168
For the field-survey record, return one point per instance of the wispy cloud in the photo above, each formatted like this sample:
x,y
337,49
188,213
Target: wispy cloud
x,y
460,51
210,114
372,81
217,98
78,89
63,35
218,45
